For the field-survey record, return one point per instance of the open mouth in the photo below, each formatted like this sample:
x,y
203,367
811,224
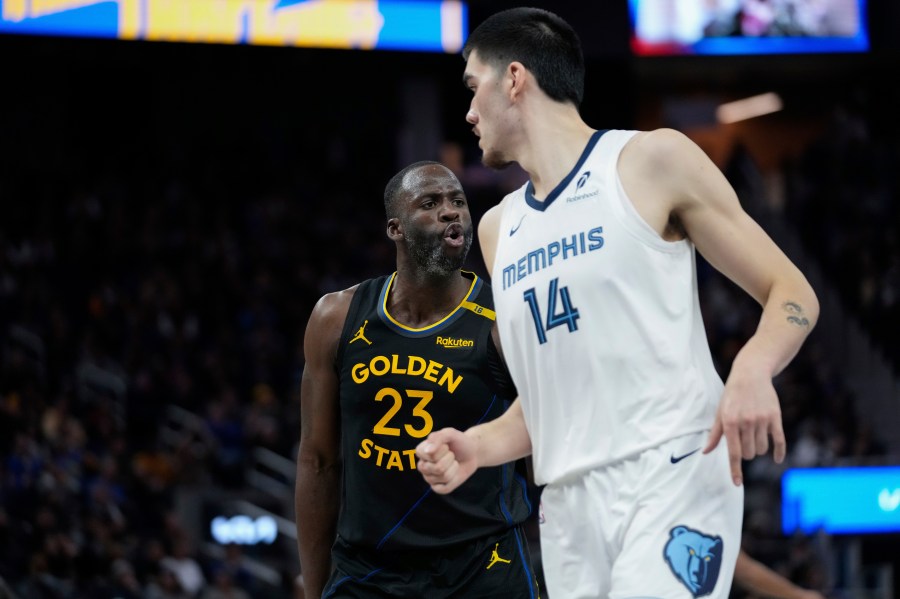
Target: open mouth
x,y
454,235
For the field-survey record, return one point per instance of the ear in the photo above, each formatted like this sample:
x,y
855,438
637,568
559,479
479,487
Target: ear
x,y
394,230
516,74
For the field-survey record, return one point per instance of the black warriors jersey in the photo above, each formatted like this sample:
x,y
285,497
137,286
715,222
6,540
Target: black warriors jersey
x,y
398,384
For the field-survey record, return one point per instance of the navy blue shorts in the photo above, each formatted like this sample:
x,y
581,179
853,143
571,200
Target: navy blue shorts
x,y
494,567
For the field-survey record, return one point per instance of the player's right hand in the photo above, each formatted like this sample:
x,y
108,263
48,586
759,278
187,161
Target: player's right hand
x,y
447,458
748,414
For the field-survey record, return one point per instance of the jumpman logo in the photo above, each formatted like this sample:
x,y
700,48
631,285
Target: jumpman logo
x,y
361,334
495,557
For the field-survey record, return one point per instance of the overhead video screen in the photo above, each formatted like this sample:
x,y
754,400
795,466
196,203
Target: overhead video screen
x,y
841,500
422,26
735,27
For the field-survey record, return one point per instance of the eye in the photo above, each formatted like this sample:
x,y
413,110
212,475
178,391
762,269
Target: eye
x,y
706,559
692,552
459,202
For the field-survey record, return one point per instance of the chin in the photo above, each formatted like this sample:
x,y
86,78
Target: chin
x,y
495,160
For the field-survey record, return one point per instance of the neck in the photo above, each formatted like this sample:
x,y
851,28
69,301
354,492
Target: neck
x,y
417,300
554,138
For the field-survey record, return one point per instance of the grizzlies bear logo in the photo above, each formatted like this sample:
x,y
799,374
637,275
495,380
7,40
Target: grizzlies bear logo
x,y
695,559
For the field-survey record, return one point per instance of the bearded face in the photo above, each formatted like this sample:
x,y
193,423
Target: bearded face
x,y
431,252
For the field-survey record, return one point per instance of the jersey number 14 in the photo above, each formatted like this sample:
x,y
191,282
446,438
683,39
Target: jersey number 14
x,y
567,314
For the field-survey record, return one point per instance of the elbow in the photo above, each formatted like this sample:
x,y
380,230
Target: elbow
x,y
811,306
798,299
814,309
315,462
316,467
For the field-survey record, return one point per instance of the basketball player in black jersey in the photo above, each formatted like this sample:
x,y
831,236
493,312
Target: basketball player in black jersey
x,y
388,361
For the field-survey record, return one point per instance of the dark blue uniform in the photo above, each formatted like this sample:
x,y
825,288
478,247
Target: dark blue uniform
x,y
397,538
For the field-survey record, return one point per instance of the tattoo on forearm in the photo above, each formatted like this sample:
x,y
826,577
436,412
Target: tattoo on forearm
x,y
795,314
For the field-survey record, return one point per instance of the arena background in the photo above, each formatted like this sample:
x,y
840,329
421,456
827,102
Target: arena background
x,y
170,213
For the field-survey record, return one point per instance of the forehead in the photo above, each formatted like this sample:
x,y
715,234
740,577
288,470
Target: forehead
x,y
428,179
476,68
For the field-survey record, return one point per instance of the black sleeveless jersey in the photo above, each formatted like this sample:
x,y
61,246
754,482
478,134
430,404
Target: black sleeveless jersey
x,y
397,384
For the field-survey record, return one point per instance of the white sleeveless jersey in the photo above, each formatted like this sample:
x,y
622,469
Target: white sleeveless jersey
x,y
600,321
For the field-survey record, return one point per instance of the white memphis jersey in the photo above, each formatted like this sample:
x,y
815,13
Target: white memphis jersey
x,y
600,321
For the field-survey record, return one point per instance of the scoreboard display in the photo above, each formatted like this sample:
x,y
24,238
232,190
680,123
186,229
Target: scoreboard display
x,y
421,26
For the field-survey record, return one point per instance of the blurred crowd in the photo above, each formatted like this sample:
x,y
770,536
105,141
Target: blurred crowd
x,y
129,286
841,200
844,196
112,310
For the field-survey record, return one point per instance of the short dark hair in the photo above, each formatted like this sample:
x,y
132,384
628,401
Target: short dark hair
x,y
395,185
542,41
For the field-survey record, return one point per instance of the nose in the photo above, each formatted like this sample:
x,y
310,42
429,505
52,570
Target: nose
x,y
449,212
472,117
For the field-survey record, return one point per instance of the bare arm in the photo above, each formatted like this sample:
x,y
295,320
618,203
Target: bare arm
x,y
316,496
690,188
758,578
487,235
448,457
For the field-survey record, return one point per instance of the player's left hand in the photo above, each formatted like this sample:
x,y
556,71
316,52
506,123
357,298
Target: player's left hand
x,y
748,414
447,458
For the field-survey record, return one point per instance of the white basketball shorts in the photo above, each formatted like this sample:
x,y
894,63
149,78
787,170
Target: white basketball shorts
x,y
663,524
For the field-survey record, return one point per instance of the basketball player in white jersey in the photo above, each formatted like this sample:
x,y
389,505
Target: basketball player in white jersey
x,y
594,278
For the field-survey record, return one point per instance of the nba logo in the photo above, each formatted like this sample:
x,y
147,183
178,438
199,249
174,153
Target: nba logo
x,y
541,518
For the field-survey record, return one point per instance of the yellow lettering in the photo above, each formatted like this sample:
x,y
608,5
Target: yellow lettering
x,y
416,366
317,23
365,449
162,19
196,21
394,461
360,373
381,453
451,342
377,361
411,454
14,10
39,8
382,428
395,368
320,23
448,381
217,21
431,373
129,19
419,411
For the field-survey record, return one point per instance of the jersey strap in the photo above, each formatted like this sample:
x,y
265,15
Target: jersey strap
x,y
479,310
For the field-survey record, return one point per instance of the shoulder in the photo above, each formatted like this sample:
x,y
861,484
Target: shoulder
x,y
491,217
331,310
488,231
658,150
337,300
668,161
325,327
490,221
